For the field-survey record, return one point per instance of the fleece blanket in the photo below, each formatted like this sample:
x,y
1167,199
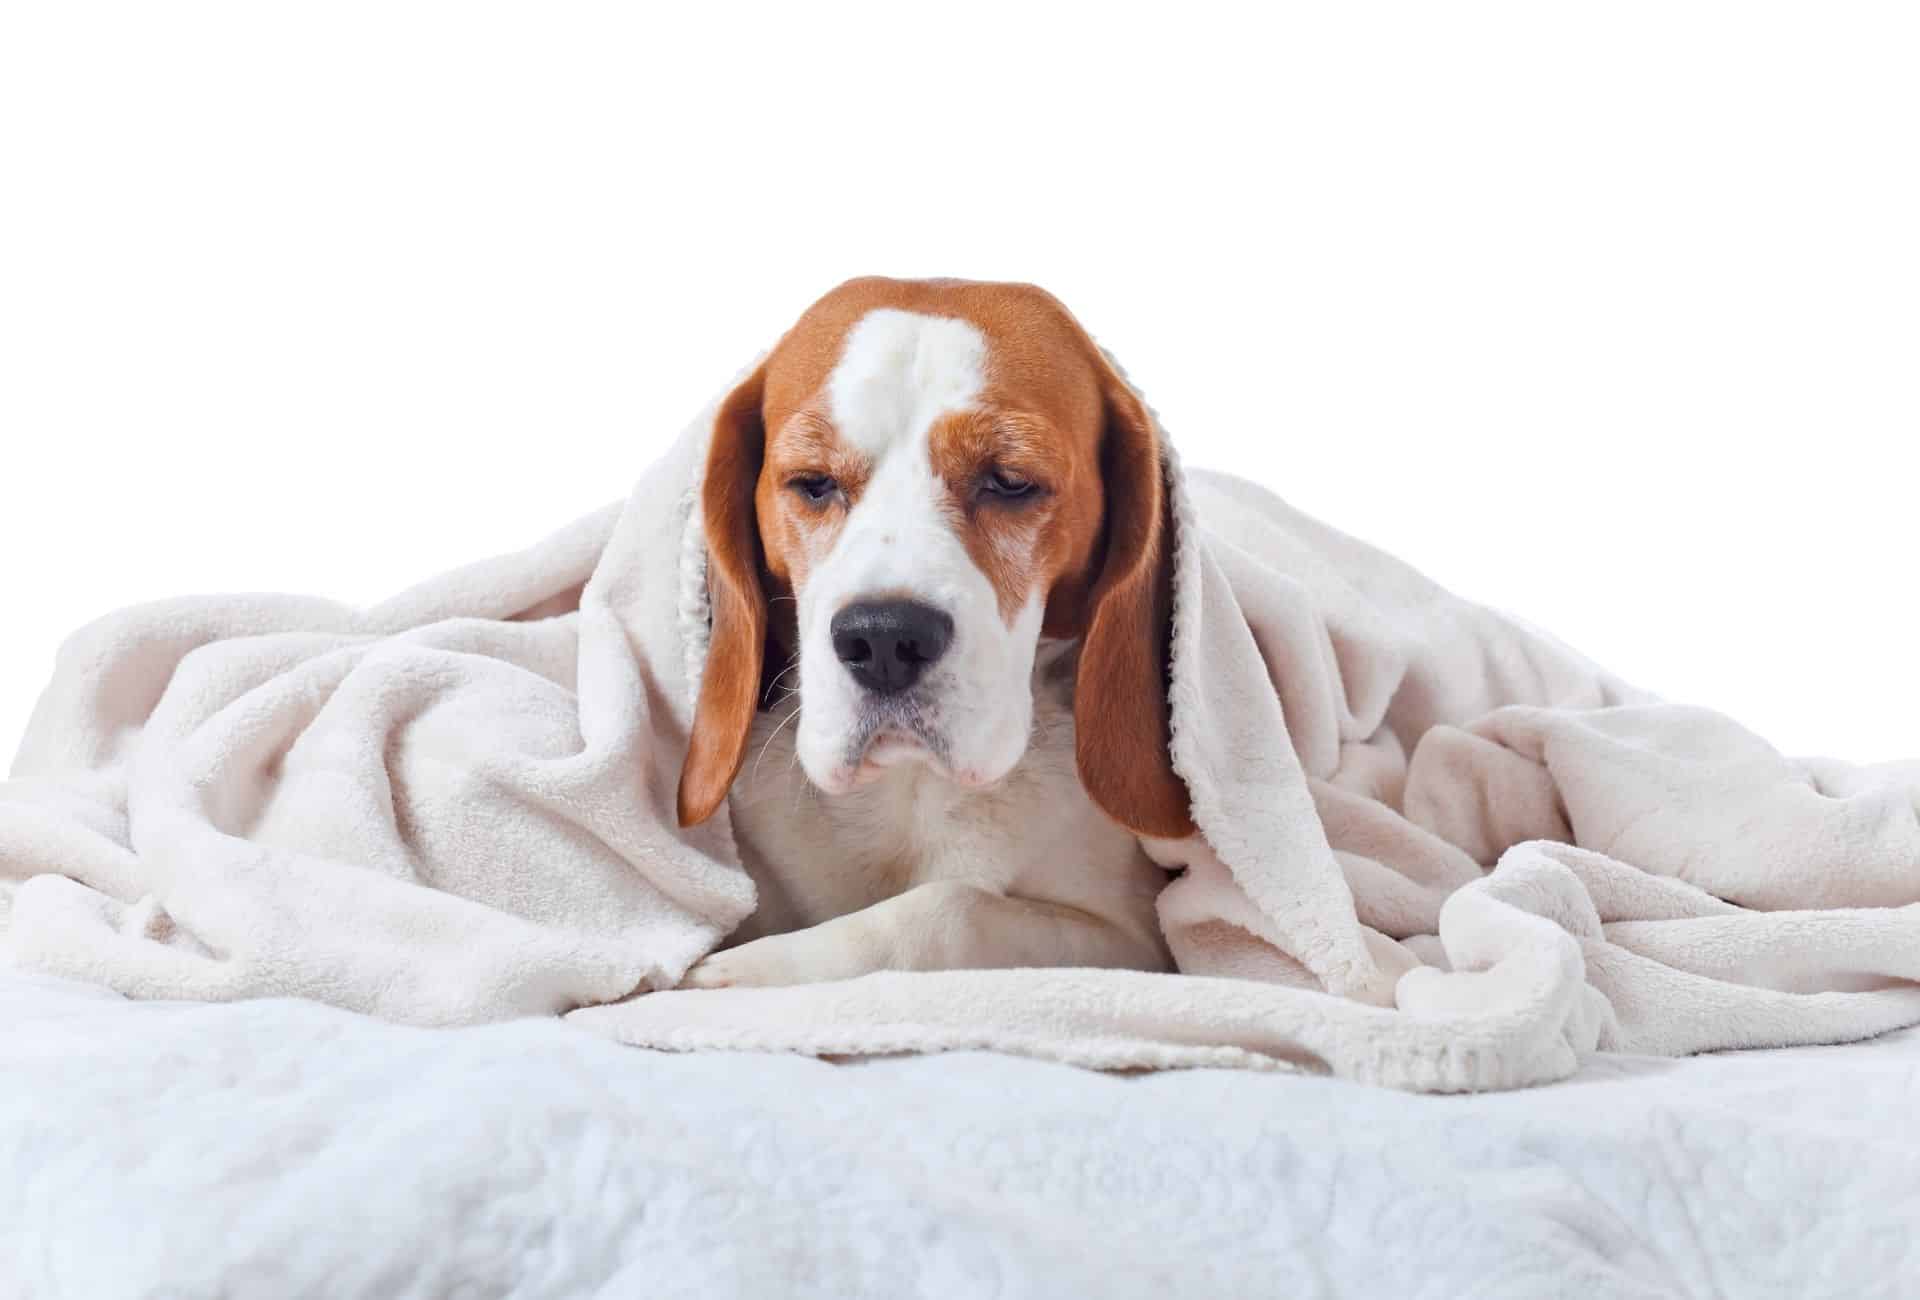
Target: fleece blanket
x,y
1436,849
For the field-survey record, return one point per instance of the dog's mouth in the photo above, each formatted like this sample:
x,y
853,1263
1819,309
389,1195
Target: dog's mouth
x,y
892,748
887,737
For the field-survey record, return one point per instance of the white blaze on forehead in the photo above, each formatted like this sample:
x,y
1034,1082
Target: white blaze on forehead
x,y
899,371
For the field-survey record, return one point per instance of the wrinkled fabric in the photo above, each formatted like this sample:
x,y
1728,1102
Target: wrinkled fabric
x,y
1437,849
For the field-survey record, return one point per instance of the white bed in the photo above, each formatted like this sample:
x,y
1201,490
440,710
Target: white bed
x,y
284,1149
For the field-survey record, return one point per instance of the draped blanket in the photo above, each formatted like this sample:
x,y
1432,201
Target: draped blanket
x,y
1437,849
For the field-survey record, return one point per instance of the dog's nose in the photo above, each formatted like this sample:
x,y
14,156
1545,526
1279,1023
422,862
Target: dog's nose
x,y
887,644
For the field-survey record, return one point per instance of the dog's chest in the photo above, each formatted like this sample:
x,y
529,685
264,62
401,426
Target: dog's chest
x,y
1034,833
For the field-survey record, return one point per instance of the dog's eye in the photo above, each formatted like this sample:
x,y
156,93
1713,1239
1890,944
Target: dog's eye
x,y
817,488
1007,485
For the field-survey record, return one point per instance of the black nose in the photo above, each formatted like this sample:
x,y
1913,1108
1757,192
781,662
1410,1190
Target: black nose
x,y
887,644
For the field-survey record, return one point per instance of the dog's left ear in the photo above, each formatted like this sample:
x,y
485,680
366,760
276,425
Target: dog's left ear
x,y
730,687
1121,714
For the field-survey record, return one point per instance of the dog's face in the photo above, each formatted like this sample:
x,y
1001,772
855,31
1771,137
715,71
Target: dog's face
x,y
921,480
922,514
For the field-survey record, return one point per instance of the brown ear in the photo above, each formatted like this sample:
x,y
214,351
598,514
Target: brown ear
x,y
1122,719
730,688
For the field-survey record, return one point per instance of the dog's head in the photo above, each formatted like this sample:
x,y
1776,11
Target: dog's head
x,y
938,474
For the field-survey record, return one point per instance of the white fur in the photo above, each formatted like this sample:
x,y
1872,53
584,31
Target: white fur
x,y
913,870
899,371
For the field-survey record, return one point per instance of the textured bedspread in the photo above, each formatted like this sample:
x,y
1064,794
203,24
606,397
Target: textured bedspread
x,y
287,1149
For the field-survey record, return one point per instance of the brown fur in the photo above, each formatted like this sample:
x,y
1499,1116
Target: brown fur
x,y
730,688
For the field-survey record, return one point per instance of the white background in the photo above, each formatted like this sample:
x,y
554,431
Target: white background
x,y
1607,314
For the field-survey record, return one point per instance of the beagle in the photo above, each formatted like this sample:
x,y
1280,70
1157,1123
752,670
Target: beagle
x,y
935,695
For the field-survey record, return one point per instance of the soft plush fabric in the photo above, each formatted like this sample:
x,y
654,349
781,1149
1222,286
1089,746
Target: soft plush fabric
x,y
1438,849
289,1150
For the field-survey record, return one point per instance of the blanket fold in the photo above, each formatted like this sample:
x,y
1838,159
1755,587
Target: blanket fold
x,y
1437,849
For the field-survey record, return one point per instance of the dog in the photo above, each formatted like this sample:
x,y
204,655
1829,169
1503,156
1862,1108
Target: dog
x,y
935,699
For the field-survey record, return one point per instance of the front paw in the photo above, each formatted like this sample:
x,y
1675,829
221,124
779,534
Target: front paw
x,y
759,964
802,957
710,972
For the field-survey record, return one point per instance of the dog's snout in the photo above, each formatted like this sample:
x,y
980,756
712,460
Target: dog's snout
x,y
887,644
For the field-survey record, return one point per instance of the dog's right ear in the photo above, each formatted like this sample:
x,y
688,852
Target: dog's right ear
x,y
730,687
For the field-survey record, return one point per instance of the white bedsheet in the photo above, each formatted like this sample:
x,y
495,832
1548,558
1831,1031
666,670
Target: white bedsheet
x,y
286,1149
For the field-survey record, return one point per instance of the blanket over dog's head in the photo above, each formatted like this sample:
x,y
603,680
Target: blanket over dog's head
x,y
1416,842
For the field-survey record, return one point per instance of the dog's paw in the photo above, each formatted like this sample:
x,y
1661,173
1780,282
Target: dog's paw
x,y
710,972
752,965
799,958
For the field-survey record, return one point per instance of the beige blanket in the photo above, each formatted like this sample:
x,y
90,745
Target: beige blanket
x,y
1438,849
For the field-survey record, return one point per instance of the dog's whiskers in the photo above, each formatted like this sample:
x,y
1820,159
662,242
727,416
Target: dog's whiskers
x,y
774,735
800,787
